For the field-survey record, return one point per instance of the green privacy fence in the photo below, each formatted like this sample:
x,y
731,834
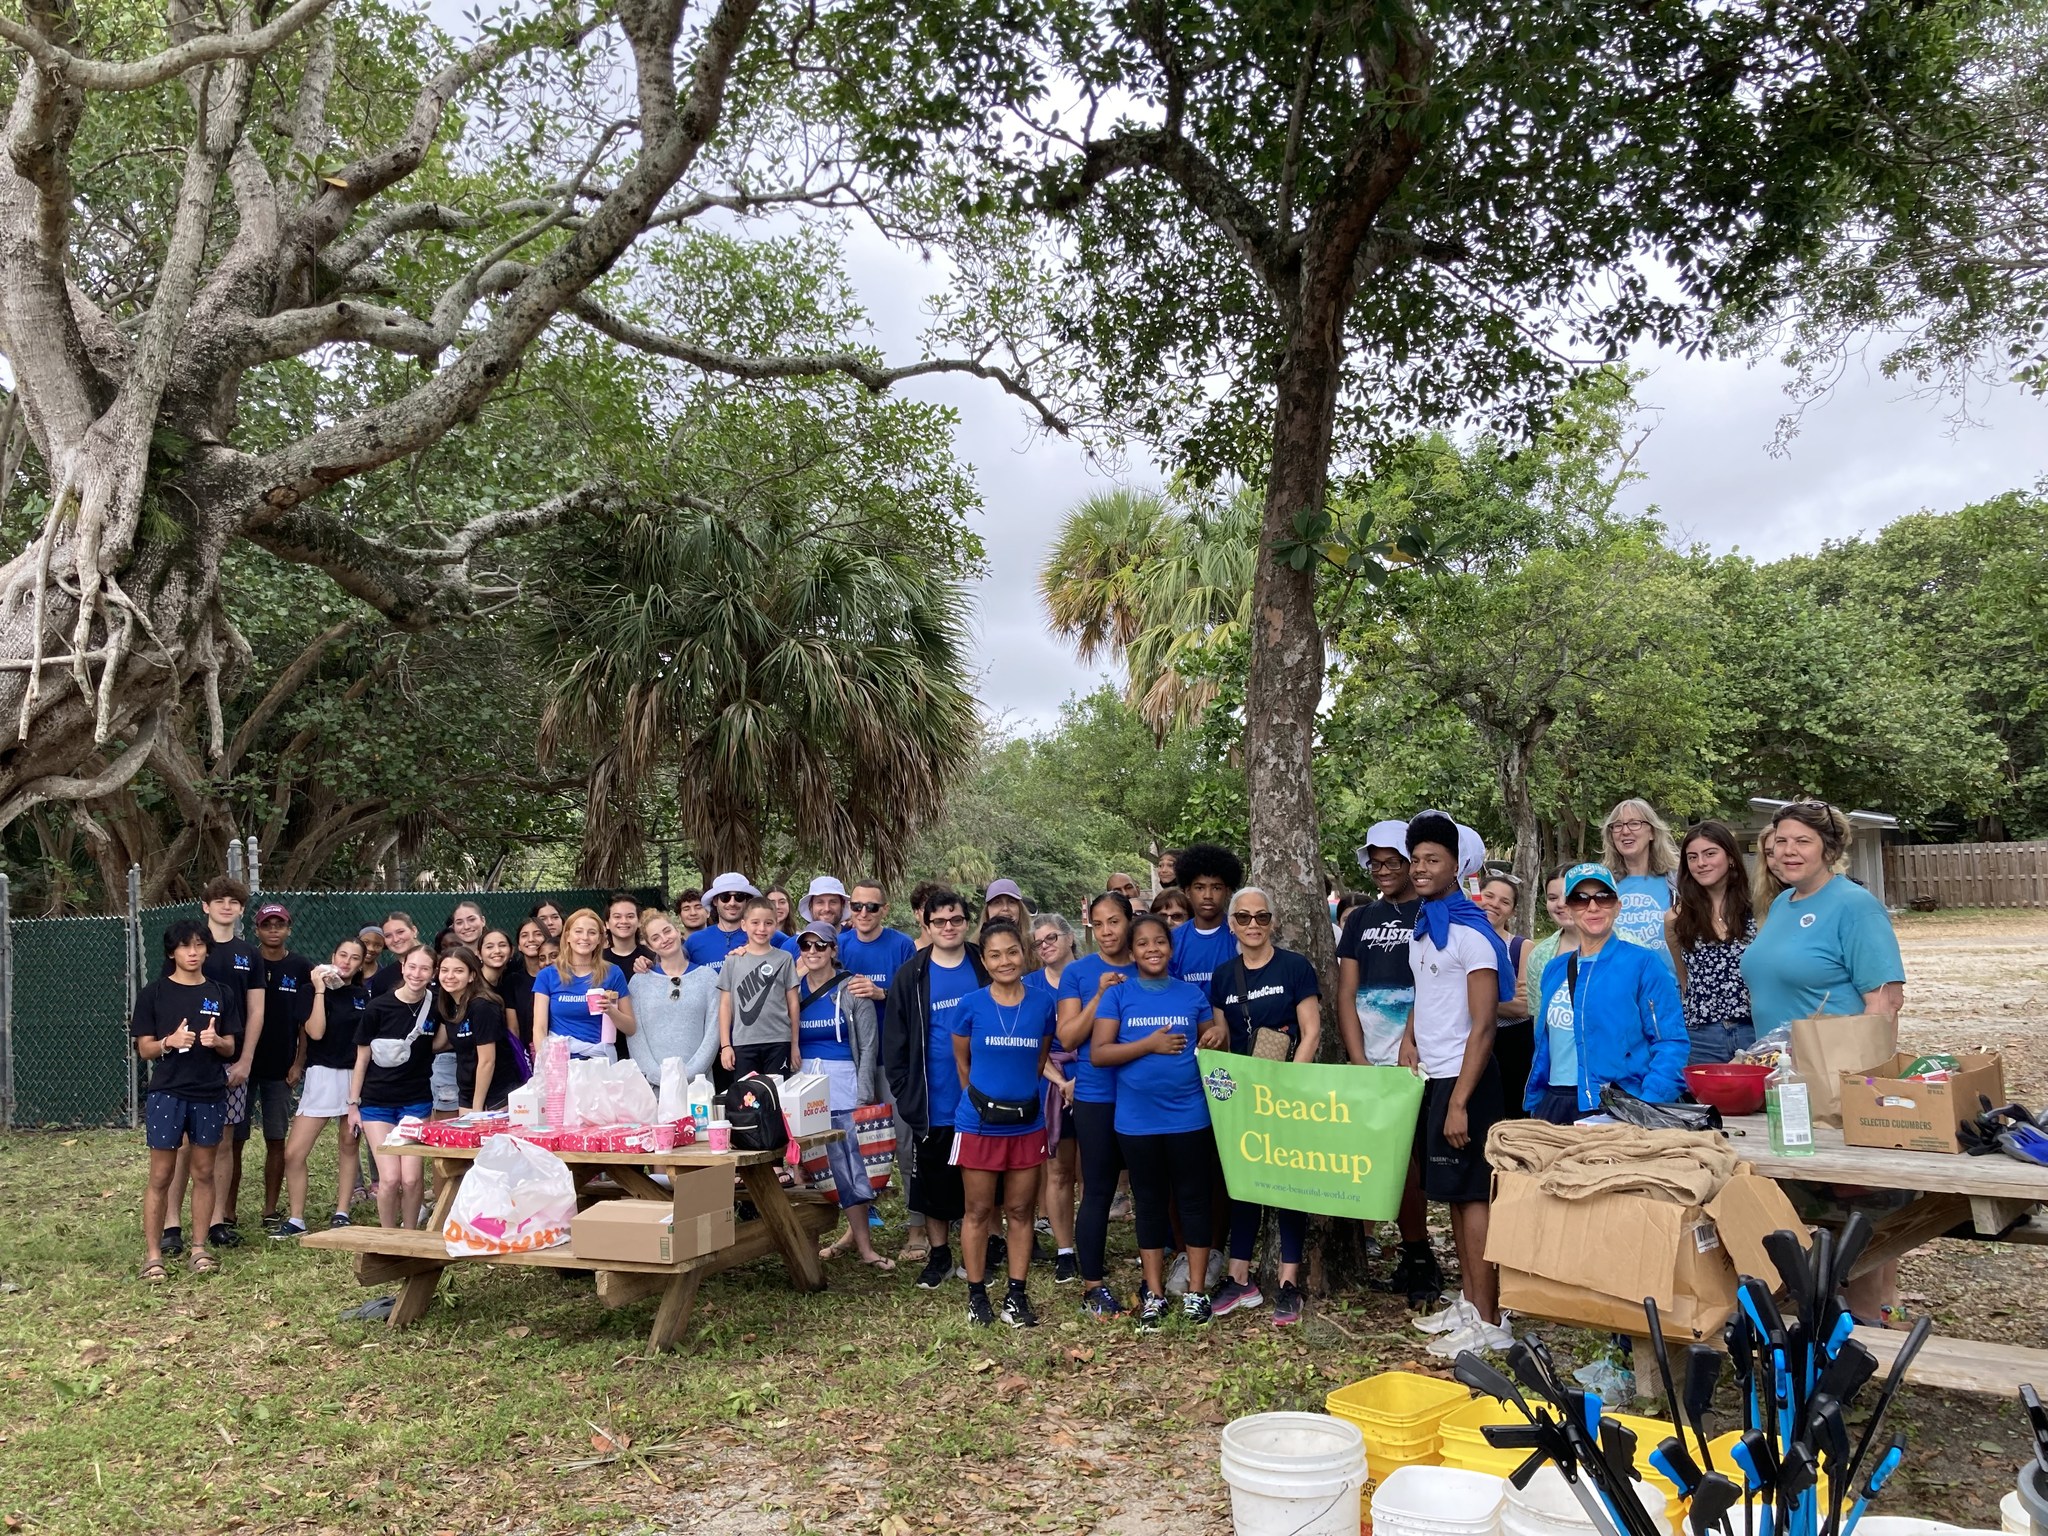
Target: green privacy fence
x,y
67,986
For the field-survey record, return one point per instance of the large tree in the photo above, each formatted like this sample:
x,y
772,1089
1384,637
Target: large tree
x,y
200,205
1292,231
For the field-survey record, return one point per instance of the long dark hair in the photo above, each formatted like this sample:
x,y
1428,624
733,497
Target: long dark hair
x,y
1694,903
449,1008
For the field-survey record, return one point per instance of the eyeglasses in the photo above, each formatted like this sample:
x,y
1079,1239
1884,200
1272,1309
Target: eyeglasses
x,y
1628,826
1253,919
808,945
957,920
1047,938
864,906
1592,899
1390,865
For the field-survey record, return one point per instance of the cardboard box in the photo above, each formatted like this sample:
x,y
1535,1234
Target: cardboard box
x,y
1882,1109
807,1103
648,1232
1592,1262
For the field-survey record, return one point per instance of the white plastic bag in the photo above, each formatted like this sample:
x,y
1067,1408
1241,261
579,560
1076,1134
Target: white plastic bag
x,y
516,1198
632,1098
675,1092
589,1093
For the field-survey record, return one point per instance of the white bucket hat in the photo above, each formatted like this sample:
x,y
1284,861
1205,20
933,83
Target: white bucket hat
x,y
730,883
824,885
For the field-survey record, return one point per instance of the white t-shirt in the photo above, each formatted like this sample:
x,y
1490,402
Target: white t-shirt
x,y
1443,1019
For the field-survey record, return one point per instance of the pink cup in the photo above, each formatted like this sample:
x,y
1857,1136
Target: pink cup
x,y
721,1135
598,999
665,1137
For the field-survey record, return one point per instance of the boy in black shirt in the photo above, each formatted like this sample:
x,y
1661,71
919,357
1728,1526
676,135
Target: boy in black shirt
x,y
182,1025
287,1003
233,965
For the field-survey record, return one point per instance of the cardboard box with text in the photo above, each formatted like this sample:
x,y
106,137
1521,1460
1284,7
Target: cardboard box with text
x,y
1882,1109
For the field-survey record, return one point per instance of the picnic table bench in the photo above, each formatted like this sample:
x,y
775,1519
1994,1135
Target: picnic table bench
x,y
787,1222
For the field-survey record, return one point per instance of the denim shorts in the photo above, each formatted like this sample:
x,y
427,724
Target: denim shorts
x,y
447,1085
391,1114
1713,1044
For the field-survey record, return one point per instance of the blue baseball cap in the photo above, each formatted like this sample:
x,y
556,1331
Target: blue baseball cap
x,y
1579,874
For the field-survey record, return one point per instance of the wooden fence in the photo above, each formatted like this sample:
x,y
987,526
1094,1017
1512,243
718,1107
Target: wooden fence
x,y
1968,874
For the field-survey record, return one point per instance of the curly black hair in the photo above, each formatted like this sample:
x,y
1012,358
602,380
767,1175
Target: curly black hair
x,y
1199,859
1434,827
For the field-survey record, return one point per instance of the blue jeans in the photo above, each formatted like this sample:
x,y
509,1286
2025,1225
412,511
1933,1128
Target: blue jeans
x,y
1713,1044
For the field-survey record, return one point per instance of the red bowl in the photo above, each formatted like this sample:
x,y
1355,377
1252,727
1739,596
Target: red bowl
x,y
1735,1088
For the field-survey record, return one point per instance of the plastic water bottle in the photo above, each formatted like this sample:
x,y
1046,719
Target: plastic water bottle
x,y
700,1099
1789,1109
558,1082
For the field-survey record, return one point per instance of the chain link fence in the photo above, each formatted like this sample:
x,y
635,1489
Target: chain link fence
x,y
68,984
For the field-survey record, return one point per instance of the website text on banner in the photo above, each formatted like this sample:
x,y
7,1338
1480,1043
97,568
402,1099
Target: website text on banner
x,y
1332,1140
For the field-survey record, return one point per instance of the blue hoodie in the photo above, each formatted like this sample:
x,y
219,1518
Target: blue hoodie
x,y
1628,1022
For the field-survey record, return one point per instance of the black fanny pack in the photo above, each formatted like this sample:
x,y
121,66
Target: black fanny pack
x,y
1001,1111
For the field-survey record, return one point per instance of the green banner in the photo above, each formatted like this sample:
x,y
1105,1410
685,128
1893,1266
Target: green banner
x,y
1328,1139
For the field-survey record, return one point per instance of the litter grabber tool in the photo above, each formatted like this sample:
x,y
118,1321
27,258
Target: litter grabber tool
x,y
1879,1476
1702,1375
1711,1501
1892,1382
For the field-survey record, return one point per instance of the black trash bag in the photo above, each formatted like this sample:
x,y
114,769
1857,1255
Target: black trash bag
x,y
1630,1110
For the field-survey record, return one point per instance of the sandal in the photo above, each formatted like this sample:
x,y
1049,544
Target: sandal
x,y
203,1263
154,1273
915,1250
839,1245
886,1266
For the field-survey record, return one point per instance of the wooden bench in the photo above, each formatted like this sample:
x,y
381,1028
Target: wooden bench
x,y
787,1222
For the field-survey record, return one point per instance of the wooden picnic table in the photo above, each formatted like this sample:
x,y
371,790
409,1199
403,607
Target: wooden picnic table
x,y
787,1222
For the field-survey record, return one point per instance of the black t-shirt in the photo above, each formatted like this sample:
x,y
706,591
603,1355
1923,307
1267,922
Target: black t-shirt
x,y
390,1017
236,965
287,1000
625,961
196,1072
344,1010
1376,935
482,1024
515,986
385,977
1264,998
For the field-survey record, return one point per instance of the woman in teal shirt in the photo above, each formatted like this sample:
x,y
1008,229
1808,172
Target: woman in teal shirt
x,y
1826,947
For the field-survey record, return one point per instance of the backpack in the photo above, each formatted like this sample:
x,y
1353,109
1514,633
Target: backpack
x,y
754,1110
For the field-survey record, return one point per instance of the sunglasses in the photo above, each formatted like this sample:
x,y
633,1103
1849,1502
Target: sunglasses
x,y
1253,919
957,920
1592,899
807,945
675,988
730,896
864,906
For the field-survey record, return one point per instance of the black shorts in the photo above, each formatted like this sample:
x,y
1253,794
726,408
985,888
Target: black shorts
x,y
934,1187
769,1058
1458,1175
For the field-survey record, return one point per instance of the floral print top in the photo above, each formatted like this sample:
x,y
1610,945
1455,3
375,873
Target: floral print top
x,y
1714,991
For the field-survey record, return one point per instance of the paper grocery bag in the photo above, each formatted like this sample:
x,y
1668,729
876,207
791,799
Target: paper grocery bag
x,y
1829,1044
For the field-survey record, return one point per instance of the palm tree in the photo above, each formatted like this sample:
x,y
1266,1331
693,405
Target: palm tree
x,y
1153,586
807,673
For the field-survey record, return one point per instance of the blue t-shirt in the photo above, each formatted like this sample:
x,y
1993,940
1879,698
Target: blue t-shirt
x,y
1004,1043
1039,982
1560,1022
947,985
1198,956
709,946
1820,955
1092,1084
1644,901
878,958
1158,1095
821,1026
569,1001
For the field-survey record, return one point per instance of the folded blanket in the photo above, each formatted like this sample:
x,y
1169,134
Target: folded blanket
x,y
1578,1162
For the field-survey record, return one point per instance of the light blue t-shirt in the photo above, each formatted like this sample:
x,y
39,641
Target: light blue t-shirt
x,y
1003,1048
1644,901
948,984
569,1001
1561,1025
1198,956
1157,1095
1820,955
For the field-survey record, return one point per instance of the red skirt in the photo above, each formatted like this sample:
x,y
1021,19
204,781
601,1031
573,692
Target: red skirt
x,y
998,1154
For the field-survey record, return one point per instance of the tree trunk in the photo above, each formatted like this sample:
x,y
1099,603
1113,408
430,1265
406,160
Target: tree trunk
x,y
1513,773
1285,681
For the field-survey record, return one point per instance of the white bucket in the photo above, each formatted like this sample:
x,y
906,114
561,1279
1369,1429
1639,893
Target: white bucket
x,y
1437,1501
1293,1474
1902,1525
1547,1507
2012,1516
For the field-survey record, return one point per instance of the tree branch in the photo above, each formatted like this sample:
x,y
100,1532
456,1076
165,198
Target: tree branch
x,y
274,699
64,787
301,330
212,48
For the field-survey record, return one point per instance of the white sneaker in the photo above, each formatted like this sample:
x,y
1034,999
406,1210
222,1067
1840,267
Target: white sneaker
x,y
1459,1314
1216,1271
1478,1335
1177,1275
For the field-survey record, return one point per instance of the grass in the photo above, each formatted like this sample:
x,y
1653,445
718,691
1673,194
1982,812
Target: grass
x,y
243,1401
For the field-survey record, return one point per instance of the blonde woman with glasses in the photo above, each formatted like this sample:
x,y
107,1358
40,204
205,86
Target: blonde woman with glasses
x,y
1640,852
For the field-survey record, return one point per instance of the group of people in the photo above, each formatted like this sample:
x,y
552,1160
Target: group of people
x,y
1036,1083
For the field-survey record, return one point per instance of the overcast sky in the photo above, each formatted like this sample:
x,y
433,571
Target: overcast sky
x,y
1868,454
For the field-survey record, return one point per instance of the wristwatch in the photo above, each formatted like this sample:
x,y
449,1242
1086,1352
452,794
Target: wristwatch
x,y
355,1103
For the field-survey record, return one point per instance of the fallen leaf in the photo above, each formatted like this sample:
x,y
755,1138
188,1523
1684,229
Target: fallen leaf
x,y
894,1525
1010,1385
14,1523
1080,1356
606,1441
746,1338
981,1366
518,1333
778,1423
94,1354
71,1143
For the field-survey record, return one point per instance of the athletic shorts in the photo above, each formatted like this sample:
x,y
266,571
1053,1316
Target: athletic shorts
x,y
271,1101
447,1085
998,1154
1458,1175
391,1114
324,1093
237,1107
934,1183
169,1118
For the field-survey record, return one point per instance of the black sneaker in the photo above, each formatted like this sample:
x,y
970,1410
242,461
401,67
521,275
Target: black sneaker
x,y
223,1235
1066,1269
1426,1283
1100,1302
1017,1311
938,1268
1152,1312
286,1229
979,1312
1287,1304
339,1219
998,1255
272,1223
1232,1295
174,1242
1194,1307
